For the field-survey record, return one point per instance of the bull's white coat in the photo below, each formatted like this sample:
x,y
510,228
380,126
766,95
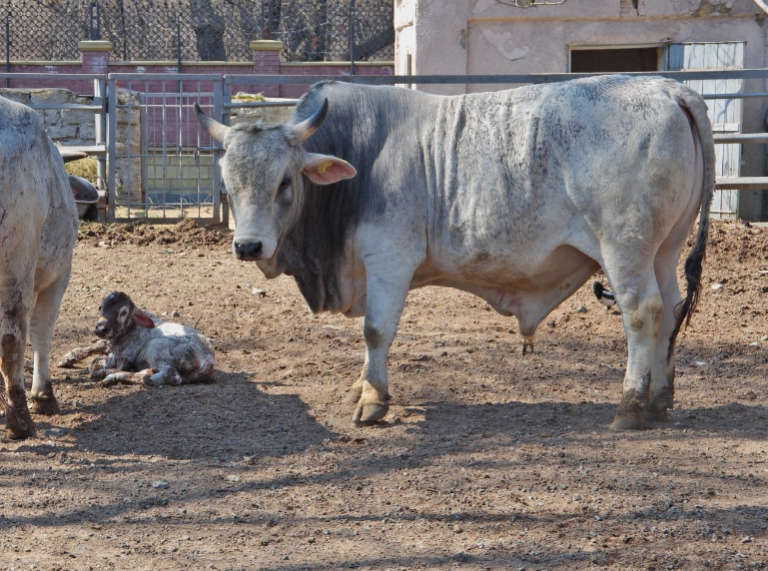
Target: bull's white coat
x,y
38,231
516,196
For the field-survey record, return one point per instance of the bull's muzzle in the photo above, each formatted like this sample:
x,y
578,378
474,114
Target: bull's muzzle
x,y
248,251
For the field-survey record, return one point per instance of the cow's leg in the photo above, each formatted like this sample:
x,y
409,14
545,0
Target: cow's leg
x,y
662,390
386,290
14,308
100,347
638,296
44,315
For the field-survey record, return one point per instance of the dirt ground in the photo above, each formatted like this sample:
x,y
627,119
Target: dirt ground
x,y
487,460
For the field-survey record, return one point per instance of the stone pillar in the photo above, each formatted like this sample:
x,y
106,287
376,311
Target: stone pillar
x,y
266,61
95,54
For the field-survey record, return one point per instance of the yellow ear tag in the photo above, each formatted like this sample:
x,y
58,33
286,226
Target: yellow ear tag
x,y
322,167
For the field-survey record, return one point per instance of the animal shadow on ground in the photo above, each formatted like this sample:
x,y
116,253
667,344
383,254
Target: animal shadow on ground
x,y
224,420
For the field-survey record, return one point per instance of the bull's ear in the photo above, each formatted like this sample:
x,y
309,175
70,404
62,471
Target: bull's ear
x,y
142,319
213,127
326,169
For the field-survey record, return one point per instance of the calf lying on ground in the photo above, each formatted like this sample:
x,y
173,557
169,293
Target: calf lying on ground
x,y
143,349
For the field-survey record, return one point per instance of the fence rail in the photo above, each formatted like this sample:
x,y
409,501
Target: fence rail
x,y
156,162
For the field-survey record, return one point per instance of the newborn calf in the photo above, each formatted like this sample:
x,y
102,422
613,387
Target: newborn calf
x,y
143,349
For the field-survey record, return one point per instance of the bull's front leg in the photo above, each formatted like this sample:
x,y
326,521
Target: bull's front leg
x,y
386,290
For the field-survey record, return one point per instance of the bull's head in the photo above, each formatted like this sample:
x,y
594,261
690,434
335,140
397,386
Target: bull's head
x,y
262,170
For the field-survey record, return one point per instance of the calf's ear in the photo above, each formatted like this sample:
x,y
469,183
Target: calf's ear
x,y
142,319
326,169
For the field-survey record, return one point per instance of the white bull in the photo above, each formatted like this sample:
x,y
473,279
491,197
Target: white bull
x,y
516,196
38,230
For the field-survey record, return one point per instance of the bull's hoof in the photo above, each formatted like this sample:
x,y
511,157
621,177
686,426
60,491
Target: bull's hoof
x,y
628,422
353,395
368,414
44,404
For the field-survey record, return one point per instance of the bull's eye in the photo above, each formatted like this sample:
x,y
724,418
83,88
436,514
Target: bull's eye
x,y
285,183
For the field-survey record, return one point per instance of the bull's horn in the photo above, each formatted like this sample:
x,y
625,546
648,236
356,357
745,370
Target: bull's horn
x,y
69,155
307,128
213,127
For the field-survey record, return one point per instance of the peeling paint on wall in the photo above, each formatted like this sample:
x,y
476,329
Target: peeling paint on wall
x,y
502,41
706,7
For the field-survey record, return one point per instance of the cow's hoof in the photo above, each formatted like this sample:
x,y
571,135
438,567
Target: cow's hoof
x,y
44,404
658,414
628,422
367,414
19,423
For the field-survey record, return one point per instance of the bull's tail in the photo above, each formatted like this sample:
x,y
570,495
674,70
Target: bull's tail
x,y
696,111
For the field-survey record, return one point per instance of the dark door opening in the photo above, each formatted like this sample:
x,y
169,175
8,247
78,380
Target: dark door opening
x,y
615,60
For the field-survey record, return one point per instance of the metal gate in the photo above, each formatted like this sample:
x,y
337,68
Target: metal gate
x,y
160,165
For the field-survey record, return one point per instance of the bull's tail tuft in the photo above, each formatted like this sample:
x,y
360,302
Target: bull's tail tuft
x,y
695,109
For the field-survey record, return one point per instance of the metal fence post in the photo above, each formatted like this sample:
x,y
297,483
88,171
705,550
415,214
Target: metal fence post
x,y
8,47
111,147
218,112
352,36
94,21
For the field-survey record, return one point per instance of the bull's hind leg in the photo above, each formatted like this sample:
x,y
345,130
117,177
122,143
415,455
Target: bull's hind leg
x,y
662,390
41,322
641,305
13,338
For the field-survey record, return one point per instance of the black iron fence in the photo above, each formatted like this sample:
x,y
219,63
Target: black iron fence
x,y
208,30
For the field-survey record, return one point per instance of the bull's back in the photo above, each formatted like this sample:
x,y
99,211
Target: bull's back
x,y
527,169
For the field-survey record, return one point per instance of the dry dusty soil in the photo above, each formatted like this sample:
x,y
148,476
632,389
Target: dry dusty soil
x,y
487,460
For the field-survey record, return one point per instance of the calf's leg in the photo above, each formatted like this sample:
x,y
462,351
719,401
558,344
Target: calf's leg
x,y
100,347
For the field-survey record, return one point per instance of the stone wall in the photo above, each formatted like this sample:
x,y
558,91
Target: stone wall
x,y
76,128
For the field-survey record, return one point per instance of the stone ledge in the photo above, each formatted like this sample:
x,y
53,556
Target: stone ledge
x,y
266,45
94,46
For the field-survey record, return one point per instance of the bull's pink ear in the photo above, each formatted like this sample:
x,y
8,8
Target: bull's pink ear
x,y
142,319
325,169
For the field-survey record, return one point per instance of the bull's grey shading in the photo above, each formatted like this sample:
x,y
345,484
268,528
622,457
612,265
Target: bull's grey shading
x,y
38,231
143,349
516,196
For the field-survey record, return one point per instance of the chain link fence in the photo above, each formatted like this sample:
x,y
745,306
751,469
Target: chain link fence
x,y
207,30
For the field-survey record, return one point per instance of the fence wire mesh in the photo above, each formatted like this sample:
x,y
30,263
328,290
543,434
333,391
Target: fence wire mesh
x,y
208,30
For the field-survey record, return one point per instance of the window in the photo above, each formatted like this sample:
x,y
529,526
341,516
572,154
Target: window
x,y
616,60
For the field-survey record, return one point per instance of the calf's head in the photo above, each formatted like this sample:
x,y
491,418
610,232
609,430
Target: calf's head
x,y
117,315
263,169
